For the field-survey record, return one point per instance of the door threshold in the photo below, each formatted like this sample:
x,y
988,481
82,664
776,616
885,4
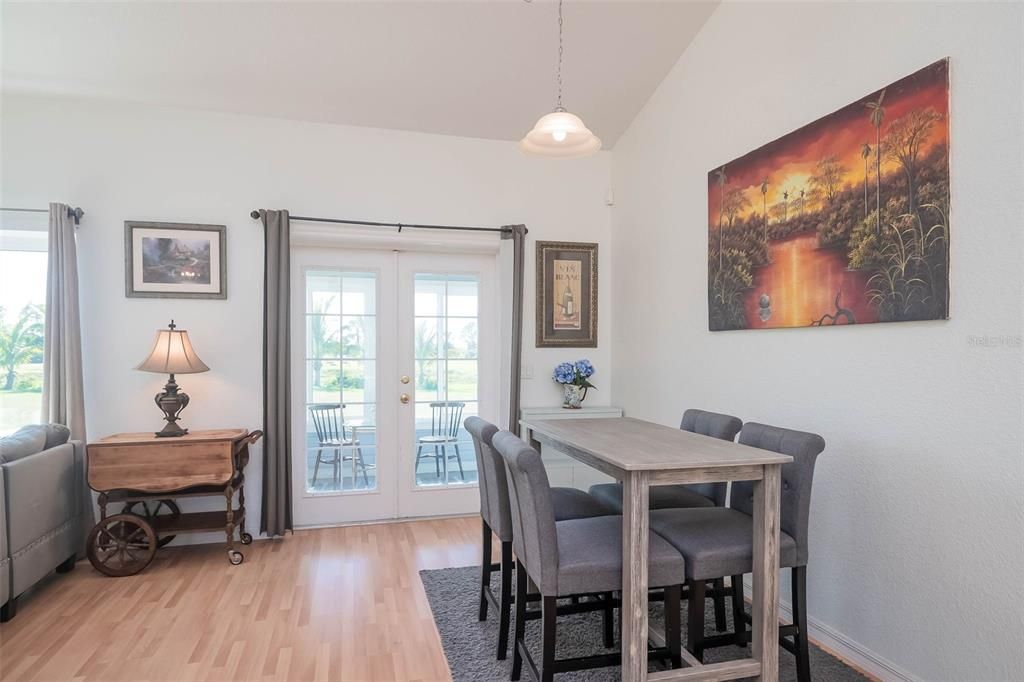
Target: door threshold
x,y
376,522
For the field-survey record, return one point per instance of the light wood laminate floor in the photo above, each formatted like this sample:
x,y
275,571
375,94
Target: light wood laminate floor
x,y
326,604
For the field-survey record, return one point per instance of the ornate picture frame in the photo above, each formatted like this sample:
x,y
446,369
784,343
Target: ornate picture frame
x,y
175,260
566,295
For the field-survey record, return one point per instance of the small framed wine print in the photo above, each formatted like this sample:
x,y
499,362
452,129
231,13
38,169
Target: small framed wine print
x,y
566,295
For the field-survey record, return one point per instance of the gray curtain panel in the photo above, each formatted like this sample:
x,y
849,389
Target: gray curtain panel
x,y
63,395
277,379
517,233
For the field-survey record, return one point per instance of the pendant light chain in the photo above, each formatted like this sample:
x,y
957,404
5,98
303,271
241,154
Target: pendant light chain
x,y
560,134
560,50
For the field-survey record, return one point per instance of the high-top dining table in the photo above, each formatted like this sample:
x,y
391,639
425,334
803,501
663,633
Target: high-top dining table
x,y
641,454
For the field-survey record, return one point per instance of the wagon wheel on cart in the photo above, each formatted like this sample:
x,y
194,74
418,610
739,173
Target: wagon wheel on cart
x,y
121,545
150,509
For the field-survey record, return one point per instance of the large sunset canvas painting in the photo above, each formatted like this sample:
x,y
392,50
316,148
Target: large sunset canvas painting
x,y
844,221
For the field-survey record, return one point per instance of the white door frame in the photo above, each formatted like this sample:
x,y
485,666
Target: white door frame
x,y
315,246
334,507
413,500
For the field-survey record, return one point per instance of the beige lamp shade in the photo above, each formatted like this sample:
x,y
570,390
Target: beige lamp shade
x,y
172,354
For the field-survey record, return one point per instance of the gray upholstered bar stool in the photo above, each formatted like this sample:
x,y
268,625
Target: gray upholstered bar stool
x,y
568,503
715,425
718,542
570,558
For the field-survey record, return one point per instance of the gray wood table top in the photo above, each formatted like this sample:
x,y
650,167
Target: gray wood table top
x,y
635,445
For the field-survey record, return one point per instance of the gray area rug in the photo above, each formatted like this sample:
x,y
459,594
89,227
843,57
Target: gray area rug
x,y
470,645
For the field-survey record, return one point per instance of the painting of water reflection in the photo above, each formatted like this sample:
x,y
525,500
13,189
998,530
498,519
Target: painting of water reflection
x,y
843,221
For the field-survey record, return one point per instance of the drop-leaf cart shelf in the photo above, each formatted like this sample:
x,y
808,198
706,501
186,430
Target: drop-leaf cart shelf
x,y
146,475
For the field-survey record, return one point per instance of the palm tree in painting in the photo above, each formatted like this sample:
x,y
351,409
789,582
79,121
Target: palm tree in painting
x,y
904,141
785,206
736,202
764,206
721,180
802,192
865,152
876,117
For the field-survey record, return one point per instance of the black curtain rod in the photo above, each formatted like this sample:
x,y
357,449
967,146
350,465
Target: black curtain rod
x,y
256,214
75,213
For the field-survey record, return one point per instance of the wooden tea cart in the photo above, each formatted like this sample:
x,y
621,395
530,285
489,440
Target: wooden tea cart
x,y
146,474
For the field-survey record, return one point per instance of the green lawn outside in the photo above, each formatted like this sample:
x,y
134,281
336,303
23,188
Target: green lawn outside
x,y
18,408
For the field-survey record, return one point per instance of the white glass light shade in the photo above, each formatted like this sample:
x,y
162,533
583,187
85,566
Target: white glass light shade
x,y
172,354
560,135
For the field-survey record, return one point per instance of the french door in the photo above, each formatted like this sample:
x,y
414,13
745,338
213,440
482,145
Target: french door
x,y
391,351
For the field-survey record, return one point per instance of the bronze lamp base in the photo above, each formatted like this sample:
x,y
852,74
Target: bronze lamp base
x,y
171,401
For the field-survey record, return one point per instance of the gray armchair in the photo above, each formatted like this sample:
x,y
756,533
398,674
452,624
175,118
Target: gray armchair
x,y
41,498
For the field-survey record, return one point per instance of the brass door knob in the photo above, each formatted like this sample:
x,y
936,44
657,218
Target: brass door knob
x,y
405,379
404,398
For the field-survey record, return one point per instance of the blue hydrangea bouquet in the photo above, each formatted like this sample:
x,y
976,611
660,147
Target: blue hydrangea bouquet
x,y
575,380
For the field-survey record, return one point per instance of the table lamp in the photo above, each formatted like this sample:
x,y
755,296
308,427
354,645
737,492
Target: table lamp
x,y
172,354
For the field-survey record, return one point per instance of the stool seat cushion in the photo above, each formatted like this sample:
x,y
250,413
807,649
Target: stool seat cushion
x,y
715,541
590,557
440,440
661,497
570,503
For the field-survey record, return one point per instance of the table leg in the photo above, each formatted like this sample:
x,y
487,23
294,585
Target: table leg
x,y
635,530
534,443
765,640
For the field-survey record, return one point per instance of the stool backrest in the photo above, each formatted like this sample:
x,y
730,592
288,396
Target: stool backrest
x,y
445,418
715,425
329,422
797,477
534,537
494,503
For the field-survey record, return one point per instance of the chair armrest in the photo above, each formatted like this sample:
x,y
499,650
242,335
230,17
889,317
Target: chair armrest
x,y
42,494
4,549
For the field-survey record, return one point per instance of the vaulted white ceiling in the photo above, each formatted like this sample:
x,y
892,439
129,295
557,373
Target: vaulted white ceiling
x,y
477,68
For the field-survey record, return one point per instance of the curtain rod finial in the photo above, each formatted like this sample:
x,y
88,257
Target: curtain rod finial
x,y
254,215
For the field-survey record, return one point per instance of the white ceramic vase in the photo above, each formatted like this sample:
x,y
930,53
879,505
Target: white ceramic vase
x,y
573,397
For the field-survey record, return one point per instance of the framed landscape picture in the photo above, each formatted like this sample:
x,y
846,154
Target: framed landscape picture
x,y
843,221
175,260
566,295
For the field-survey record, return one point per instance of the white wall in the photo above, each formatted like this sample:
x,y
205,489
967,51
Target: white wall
x,y
129,162
917,530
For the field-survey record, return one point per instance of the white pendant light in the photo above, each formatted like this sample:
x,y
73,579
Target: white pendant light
x,y
560,134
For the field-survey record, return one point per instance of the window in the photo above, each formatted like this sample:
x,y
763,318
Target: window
x,y
22,297
447,371
341,381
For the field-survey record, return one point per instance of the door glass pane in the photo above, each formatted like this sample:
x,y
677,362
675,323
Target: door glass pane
x,y
322,335
427,332
341,380
462,380
426,381
461,338
445,347
357,336
430,295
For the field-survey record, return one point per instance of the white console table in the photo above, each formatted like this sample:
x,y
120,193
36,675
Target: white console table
x,y
562,469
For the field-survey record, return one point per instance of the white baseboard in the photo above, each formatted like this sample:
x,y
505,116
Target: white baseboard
x,y
843,646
